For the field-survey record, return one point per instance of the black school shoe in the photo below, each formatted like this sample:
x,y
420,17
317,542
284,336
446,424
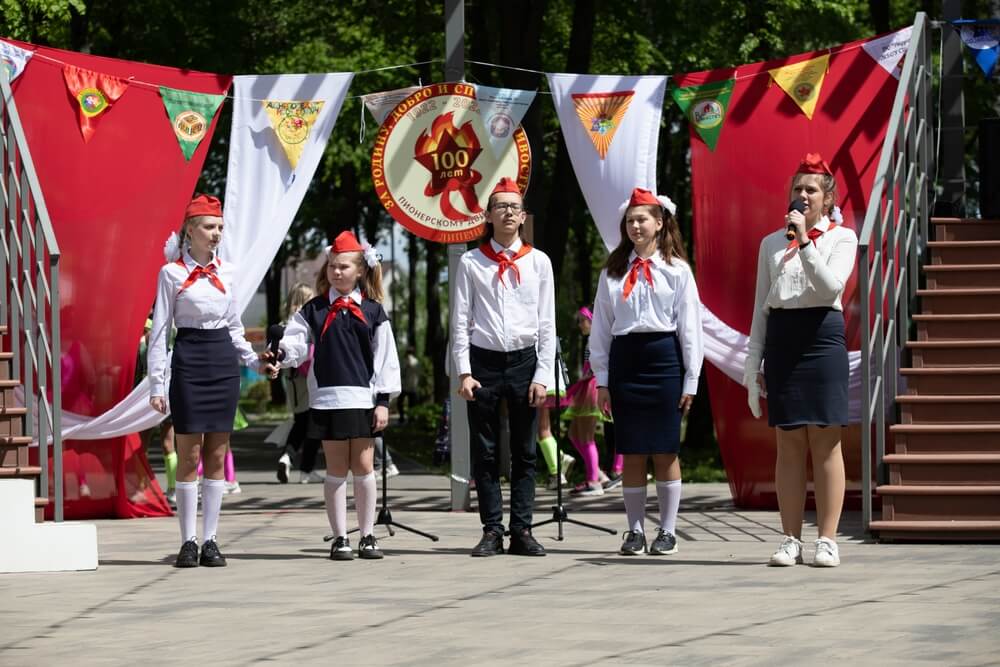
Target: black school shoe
x,y
634,543
491,544
211,556
341,549
188,555
664,544
522,543
368,548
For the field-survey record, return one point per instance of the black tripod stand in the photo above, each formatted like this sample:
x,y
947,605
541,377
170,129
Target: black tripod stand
x,y
559,514
384,515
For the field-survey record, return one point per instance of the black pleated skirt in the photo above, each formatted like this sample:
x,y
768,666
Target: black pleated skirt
x,y
806,369
204,381
342,424
645,377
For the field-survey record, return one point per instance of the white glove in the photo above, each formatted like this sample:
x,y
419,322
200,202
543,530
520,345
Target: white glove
x,y
753,396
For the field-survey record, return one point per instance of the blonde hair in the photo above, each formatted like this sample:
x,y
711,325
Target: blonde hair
x,y
298,296
183,235
370,282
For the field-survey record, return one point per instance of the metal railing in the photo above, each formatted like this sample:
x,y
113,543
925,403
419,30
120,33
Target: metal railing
x,y
29,302
892,247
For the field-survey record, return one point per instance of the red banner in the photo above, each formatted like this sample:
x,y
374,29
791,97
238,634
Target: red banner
x,y
113,200
741,193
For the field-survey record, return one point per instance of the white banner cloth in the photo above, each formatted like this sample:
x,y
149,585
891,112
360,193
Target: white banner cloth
x,y
630,158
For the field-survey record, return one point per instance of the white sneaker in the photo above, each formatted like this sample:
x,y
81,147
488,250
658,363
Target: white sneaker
x,y
171,496
789,553
284,467
567,464
391,470
312,477
233,488
827,553
551,486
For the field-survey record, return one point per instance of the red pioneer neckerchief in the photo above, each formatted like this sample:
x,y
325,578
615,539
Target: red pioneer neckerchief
x,y
503,261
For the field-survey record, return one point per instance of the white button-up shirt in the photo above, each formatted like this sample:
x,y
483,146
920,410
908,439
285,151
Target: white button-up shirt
x,y
671,303
810,277
200,306
508,316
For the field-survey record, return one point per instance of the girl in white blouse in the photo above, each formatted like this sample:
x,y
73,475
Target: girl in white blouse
x,y
798,333
646,353
195,293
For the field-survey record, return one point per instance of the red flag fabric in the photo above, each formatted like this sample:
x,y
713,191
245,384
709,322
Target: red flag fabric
x,y
113,201
741,193
93,94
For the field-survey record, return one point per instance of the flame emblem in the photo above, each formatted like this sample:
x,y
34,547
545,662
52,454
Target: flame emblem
x,y
448,153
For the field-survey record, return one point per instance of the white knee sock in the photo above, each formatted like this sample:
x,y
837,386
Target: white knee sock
x,y
335,493
635,506
669,495
364,502
212,491
187,509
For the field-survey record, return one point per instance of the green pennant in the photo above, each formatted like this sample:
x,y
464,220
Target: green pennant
x,y
190,116
705,107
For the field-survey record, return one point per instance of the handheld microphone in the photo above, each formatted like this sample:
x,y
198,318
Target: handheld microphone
x,y
796,205
274,335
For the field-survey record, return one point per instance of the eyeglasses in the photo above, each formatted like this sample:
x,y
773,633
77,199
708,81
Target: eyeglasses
x,y
504,206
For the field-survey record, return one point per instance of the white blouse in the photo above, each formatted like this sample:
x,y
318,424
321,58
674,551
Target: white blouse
x,y
505,317
200,306
671,303
810,277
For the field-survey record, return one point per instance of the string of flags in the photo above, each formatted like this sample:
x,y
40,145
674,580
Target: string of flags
x,y
982,38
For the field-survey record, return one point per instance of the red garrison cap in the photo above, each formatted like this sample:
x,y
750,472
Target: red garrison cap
x,y
203,205
813,163
642,197
345,242
506,185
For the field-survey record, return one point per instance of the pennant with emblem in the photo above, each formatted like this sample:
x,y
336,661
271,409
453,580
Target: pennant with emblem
x,y
601,115
803,81
705,107
501,110
94,93
982,37
292,122
14,59
190,116
888,50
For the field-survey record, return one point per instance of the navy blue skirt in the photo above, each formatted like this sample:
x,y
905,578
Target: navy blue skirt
x,y
204,381
645,376
806,369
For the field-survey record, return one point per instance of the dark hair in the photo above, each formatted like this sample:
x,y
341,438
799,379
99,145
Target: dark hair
x,y
826,182
488,226
668,240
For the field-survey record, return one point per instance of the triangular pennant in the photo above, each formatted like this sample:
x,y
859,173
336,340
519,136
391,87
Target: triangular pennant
x,y
983,39
502,110
803,81
292,122
705,107
94,94
190,116
14,59
380,104
888,50
601,114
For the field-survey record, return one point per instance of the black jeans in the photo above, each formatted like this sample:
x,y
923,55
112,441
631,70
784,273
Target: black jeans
x,y
503,375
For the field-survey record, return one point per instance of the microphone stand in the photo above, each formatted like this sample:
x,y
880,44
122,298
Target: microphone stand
x,y
559,513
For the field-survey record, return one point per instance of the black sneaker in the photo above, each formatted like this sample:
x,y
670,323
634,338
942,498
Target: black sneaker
x,y
522,543
664,544
634,544
341,549
368,548
490,545
188,555
211,556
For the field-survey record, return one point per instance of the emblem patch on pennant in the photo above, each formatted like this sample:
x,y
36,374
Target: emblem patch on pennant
x,y
601,115
705,106
707,114
95,93
92,101
292,122
802,81
189,125
190,115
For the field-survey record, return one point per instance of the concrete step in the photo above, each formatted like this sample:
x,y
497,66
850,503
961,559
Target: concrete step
x,y
925,502
40,547
956,276
957,327
965,300
963,252
965,229
973,352
949,409
938,530
944,469
945,438
952,380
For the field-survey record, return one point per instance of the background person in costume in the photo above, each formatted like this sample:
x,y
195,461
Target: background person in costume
x,y
195,292
646,352
504,342
354,374
798,333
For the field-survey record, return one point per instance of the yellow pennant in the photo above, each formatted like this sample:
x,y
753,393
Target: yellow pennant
x,y
292,123
802,81
601,114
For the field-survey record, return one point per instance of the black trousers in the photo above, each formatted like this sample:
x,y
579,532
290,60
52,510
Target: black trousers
x,y
503,375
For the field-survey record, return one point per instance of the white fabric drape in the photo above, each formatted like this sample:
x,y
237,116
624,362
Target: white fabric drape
x,y
630,161
263,194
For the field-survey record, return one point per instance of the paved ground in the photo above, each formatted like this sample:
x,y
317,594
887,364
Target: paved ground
x,y
282,601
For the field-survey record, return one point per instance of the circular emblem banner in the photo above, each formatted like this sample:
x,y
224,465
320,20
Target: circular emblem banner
x,y
429,168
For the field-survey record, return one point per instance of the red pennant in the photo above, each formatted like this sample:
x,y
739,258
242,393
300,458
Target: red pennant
x,y
94,94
